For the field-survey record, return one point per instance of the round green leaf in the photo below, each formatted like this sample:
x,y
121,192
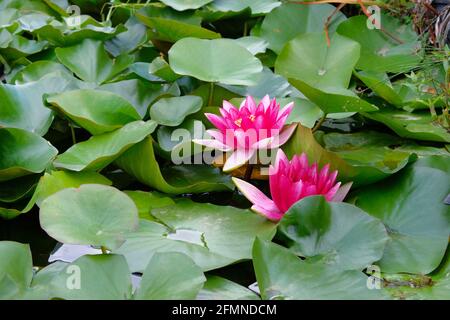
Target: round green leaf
x,y
90,61
96,111
411,206
218,60
213,236
140,162
291,19
93,277
218,288
282,275
333,233
170,276
182,5
256,6
418,125
55,181
15,268
23,107
23,153
99,151
380,52
173,111
171,27
92,214
147,201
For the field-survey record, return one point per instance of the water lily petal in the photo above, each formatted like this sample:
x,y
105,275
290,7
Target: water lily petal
x,y
342,192
217,121
211,143
237,159
284,136
262,204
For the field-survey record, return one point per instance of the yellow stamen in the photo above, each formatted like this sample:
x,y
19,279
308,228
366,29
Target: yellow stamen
x,y
238,122
252,117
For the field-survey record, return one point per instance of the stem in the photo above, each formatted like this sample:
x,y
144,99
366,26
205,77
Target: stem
x,y
318,124
245,28
104,250
72,132
211,94
248,172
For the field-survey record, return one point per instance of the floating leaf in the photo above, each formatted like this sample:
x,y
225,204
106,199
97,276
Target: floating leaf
x,y
182,5
90,62
96,111
93,277
418,125
99,151
218,288
282,275
213,236
147,201
219,60
55,181
291,19
171,27
173,111
334,233
418,224
15,269
256,6
170,276
397,50
23,153
22,105
92,214
140,162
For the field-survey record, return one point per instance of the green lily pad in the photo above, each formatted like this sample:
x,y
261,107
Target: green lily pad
x,y
335,100
141,93
354,159
37,70
171,27
90,61
213,236
140,162
218,288
323,73
96,111
170,276
411,206
147,201
334,233
99,151
182,5
93,277
92,214
15,269
173,111
379,51
13,190
218,60
291,19
282,275
417,125
23,107
55,181
253,44
257,7
23,153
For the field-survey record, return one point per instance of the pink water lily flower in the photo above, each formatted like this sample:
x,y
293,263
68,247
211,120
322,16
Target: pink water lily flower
x,y
291,181
248,128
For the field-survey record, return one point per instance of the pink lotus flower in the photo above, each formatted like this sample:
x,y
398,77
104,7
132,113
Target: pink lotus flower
x,y
247,129
291,181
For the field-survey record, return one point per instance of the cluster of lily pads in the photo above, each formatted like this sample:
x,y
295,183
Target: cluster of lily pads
x,y
92,93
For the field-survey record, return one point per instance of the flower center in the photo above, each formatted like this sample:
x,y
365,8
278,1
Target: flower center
x,y
238,122
252,117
